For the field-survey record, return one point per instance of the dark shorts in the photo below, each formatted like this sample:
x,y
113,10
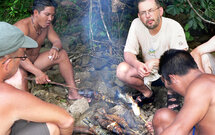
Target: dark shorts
x,y
22,127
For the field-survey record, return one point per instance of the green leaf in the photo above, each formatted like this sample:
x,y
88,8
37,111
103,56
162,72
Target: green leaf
x,y
201,25
187,26
172,9
187,34
202,3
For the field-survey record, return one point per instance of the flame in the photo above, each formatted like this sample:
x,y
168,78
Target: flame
x,y
113,124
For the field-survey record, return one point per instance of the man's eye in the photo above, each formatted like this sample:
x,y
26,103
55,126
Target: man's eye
x,y
143,12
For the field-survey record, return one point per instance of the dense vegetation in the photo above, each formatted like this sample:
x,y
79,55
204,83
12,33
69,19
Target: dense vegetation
x,y
114,23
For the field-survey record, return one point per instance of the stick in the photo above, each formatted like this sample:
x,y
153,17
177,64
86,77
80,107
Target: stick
x,y
143,119
102,17
90,19
55,83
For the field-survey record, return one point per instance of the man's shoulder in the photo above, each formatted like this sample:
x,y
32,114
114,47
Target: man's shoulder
x,y
204,81
136,21
170,22
6,88
23,22
138,25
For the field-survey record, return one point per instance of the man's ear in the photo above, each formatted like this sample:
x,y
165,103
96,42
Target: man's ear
x,y
36,12
173,79
161,11
6,64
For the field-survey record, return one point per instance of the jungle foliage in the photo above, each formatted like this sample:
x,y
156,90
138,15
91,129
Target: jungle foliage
x,y
117,23
13,10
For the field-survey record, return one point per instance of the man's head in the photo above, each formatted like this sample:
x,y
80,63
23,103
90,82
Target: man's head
x,y
150,13
44,11
40,5
11,40
175,62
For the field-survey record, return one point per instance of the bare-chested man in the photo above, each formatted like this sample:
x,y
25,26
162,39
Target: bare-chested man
x,y
21,113
38,27
180,73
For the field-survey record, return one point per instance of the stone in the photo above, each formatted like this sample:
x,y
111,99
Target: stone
x,y
119,83
78,107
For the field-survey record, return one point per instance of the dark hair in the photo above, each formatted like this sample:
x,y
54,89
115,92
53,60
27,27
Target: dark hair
x,y
175,62
41,4
156,1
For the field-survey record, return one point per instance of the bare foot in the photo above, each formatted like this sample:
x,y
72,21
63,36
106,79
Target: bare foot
x,y
73,94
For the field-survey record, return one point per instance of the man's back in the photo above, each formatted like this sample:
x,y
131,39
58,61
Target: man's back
x,y
6,115
202,90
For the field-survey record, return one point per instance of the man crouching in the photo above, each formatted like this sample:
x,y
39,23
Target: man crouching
x,y
181,74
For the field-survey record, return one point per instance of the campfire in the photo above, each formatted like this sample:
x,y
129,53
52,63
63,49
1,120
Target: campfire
x,y
105,121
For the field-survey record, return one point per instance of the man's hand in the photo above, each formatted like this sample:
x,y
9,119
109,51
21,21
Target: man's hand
x,y
53,53
196,54
42,78
151,64
142,70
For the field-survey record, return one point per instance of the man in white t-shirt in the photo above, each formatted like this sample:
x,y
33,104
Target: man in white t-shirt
x,y
153,34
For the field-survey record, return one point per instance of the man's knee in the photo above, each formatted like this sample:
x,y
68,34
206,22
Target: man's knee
x,y
53,129
163,118
208,62
63,54
121,70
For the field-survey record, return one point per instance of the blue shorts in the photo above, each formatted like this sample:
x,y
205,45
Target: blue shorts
x,y
194,128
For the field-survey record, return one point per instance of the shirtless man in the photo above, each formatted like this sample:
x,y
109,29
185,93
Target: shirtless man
x,y
38,27
30,114
180,73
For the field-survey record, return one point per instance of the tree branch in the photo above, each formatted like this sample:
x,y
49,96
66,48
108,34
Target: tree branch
x,y
102,17
199,14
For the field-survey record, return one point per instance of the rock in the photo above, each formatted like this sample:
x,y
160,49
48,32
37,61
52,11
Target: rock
x,y
99,63
85,60
60,91
119,83
102,88
82,75
78,107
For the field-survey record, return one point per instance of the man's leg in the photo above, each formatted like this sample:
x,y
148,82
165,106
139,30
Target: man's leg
x,y
53,129
65,67
208,62
129,75
162,119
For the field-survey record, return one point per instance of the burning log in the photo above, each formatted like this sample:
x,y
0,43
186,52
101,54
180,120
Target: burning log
x,y
95,129
116,118
110,126
114,123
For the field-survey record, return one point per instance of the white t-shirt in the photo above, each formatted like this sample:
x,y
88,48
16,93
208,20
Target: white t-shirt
x,y
170,36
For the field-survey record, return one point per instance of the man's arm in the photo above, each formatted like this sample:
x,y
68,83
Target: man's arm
x,y
30,108
132,60
56,43
207,47
195,107
41,77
